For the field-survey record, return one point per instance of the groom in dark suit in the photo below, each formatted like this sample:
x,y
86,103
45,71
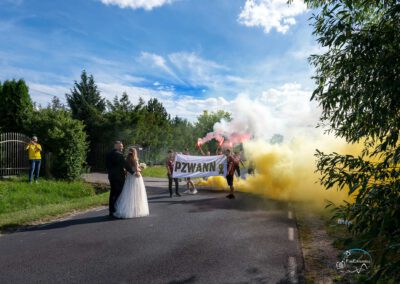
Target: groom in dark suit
x,y
116,166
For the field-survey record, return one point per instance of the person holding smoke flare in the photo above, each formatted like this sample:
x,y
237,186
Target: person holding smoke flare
x,y
230,173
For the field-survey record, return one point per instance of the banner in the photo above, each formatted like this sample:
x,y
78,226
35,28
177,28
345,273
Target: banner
x,y
199,166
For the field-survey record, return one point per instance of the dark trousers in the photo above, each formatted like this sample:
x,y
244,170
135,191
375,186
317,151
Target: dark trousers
x,y
34,168
116,189
237,170
170,179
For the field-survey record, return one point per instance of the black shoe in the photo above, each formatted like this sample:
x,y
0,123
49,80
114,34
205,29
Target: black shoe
x,y
170,196
177,194
230,196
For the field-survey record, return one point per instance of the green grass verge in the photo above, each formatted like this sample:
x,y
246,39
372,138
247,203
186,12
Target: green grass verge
x,y
155,171
22,203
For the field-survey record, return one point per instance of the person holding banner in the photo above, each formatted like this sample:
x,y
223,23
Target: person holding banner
x,y
230,172
170,168
189,182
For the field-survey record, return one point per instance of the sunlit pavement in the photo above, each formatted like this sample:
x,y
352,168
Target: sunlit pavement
x,y
203,238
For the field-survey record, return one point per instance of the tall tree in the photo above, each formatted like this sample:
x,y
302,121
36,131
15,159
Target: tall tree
x,y
358,88
56,104
182,134
88,106
121,119
85,100
15,106
153,125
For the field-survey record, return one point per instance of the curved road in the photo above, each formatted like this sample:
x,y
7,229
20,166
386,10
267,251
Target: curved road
x,y
204,238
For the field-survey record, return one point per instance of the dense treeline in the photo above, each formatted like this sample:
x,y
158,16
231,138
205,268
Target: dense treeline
x,y
84,128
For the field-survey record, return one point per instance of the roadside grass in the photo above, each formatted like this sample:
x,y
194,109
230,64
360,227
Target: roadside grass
x,y
155,171
320,256
22,203
323,242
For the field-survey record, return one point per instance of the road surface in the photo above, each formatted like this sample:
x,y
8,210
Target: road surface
x,y
203,238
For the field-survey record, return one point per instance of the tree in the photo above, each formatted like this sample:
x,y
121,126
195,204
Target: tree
x,y
182,134
65,138
85,99
152,126
15,106
120,119
56,104
88,106
358,88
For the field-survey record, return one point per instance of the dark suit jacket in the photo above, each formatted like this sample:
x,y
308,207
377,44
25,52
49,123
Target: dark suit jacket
x,y
116,164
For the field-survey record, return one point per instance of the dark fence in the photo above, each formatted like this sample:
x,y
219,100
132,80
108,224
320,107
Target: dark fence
x,y
13,157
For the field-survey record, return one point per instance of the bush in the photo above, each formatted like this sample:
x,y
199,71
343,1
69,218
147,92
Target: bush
x,y
65,138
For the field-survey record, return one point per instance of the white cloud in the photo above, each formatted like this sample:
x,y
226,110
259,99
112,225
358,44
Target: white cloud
x,y
196,71
271,14
137,4
190,69
305,49
157,61
42,94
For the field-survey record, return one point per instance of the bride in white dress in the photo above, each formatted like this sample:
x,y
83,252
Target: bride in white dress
x,y
132,201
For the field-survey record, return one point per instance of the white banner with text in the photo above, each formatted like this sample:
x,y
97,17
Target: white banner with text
x,y
199,166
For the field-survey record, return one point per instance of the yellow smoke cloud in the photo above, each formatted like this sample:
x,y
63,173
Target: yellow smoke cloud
x,y
287,171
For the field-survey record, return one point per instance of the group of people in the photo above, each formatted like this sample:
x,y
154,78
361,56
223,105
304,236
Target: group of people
x,y
233,166
169,163
128,197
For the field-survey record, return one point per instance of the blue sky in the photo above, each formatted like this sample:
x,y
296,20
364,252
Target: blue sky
x,y
192,55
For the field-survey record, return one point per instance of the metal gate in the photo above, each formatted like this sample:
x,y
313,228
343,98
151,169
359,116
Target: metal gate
x,y
13,157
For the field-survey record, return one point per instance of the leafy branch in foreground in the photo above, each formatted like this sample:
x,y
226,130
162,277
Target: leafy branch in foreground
x,y
358,86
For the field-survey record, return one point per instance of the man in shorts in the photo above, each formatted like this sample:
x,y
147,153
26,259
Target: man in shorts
x,y
230,173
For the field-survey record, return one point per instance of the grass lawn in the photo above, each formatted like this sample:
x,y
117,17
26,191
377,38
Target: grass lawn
x,y
155,171
22,203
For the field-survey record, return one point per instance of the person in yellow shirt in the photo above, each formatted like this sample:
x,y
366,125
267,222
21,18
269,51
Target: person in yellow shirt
x,y
35,158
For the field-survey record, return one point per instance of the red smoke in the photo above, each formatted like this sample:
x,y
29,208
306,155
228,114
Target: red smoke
x,y
232,140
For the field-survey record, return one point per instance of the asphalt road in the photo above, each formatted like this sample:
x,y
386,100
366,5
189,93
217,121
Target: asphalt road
x,y
204,238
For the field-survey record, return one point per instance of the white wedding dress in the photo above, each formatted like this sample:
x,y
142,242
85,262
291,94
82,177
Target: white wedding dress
x,y
132,201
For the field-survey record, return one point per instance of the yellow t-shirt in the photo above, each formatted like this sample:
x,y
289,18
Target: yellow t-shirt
x,y
34,151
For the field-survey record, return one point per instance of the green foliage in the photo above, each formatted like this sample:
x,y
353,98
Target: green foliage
x,y
15,106
120,119
182,132
85,101
158,134
87,105
358,85
65,138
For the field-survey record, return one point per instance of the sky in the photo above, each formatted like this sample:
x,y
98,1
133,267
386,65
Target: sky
x,y
192,55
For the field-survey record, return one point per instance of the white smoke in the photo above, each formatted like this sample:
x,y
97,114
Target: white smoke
x,y
286,110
